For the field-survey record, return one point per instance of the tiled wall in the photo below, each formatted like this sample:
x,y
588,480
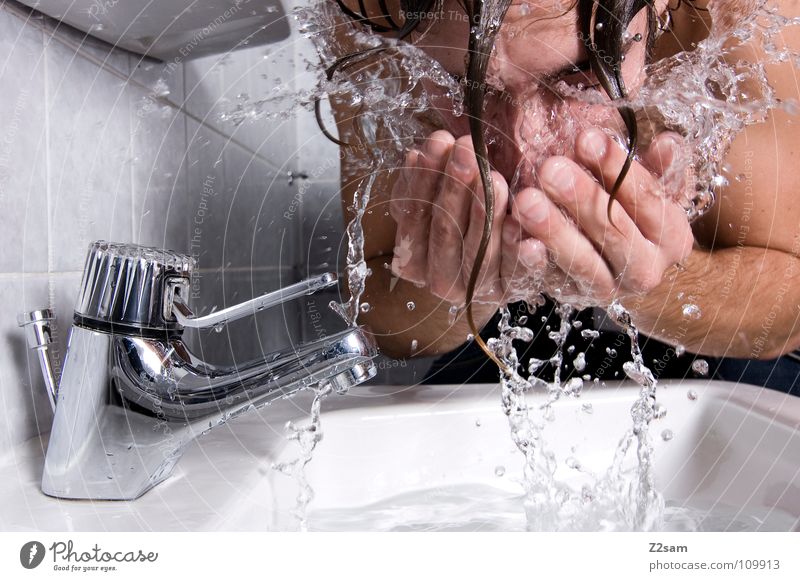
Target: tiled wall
x,y
96,143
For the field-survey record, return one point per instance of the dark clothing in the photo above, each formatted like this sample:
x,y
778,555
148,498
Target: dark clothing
x,y
604,356
782,374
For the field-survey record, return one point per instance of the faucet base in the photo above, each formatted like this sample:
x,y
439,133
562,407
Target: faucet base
x,y
127,406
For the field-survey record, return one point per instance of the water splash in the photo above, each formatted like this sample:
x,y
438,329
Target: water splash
x,y
307,437
704,94
622,498
709,94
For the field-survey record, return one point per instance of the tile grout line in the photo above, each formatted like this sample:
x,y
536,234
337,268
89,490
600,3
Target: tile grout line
x,y
51,288
132,157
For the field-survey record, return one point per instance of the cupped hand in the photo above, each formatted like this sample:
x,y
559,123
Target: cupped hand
x,y
564,225
438,204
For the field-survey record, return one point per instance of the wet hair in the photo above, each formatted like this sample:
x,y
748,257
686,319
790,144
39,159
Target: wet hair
x,y
602,25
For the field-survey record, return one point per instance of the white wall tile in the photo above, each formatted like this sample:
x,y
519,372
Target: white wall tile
x,y
159,164
217,85
88,112
23,159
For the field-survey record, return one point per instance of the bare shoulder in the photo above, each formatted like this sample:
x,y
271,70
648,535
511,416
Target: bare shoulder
x,y
761,208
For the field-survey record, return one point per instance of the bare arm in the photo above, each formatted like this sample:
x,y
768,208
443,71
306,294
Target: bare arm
x,y
746,279
428,327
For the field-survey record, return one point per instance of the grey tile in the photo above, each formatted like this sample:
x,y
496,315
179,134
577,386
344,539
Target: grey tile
x,y
23,147
26,408
323,241
318,156
83,44
256,231
250,338
159,166
220,87
90,149
207,205
236,206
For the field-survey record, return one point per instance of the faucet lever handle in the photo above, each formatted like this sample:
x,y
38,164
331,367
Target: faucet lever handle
x,y
186,318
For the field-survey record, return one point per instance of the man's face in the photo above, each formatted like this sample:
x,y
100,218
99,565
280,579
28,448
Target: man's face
x,y
536,50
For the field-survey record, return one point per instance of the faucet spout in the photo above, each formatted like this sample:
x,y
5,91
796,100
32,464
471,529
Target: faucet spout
x,y
165,378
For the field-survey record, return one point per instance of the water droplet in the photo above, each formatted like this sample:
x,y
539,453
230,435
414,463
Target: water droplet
x,y
365,307
691,311
499,471
680,350
414,345
587,408
219,327
411,305
478,423
667,435
580,362
692,395
452,313
659,411
577,324
700,366
574,386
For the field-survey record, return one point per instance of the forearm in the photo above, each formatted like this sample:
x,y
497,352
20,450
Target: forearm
x,y
425,329
748,300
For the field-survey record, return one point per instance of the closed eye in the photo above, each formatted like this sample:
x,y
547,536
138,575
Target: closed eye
x,y
580,73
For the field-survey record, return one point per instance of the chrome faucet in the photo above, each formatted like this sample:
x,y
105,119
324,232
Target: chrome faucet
x,y
132,396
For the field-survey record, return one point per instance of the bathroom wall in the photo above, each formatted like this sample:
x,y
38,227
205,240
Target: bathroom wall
x,y
98,143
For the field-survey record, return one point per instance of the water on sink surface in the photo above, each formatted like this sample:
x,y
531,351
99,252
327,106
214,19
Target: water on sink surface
x,y
478,507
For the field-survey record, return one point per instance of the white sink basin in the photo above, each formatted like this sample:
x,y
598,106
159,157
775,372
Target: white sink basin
x,y
441,457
